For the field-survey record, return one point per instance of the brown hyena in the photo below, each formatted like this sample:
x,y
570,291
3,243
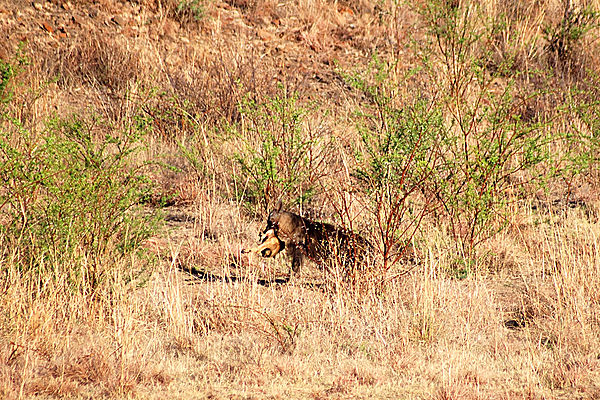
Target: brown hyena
x,y
322,243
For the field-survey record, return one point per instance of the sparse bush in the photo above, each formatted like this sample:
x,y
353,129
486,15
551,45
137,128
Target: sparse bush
x,y
515,39
465,152
189,10
70,194
564,40
183,11
212,91
581,145
397,158
490,147
280,154
9,69
94,61
171,116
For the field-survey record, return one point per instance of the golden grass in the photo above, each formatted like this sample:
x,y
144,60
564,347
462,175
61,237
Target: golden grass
x,y
528,331
522,324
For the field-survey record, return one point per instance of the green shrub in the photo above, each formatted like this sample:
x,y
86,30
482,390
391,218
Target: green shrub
x,y
396,161
492,146
280,155
69,198
462,150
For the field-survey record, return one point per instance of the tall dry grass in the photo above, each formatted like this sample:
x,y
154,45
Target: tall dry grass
x,y
519,319
528,331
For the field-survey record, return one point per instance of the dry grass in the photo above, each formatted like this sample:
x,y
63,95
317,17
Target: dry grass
x,y
521,323
529,331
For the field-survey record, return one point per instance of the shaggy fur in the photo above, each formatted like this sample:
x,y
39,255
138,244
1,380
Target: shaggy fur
x,y
323,243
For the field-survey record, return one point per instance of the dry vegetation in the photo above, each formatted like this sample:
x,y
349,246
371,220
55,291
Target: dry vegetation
x,y
142,144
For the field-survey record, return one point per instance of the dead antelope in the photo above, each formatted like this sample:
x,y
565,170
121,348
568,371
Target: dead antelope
x,y
269,246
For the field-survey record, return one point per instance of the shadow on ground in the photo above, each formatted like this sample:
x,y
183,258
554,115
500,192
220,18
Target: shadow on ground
x,y
198,275
205,276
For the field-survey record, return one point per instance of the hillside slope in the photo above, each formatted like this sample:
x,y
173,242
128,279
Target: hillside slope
x,y
142,144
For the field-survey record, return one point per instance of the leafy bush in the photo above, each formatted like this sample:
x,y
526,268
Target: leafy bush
x,y
281,154
462,151
491,145
69,197
397,159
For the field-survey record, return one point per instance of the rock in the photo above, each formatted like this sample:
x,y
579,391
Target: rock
x,y
117,19
37,4
46,25
79,20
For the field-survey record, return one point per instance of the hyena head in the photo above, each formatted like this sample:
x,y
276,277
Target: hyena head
x,y
274,217
290,229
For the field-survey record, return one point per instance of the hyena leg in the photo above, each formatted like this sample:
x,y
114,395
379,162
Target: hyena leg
x,y
297,255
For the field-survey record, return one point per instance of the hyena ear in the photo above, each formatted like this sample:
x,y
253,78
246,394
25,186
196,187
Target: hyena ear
x,y
278,206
